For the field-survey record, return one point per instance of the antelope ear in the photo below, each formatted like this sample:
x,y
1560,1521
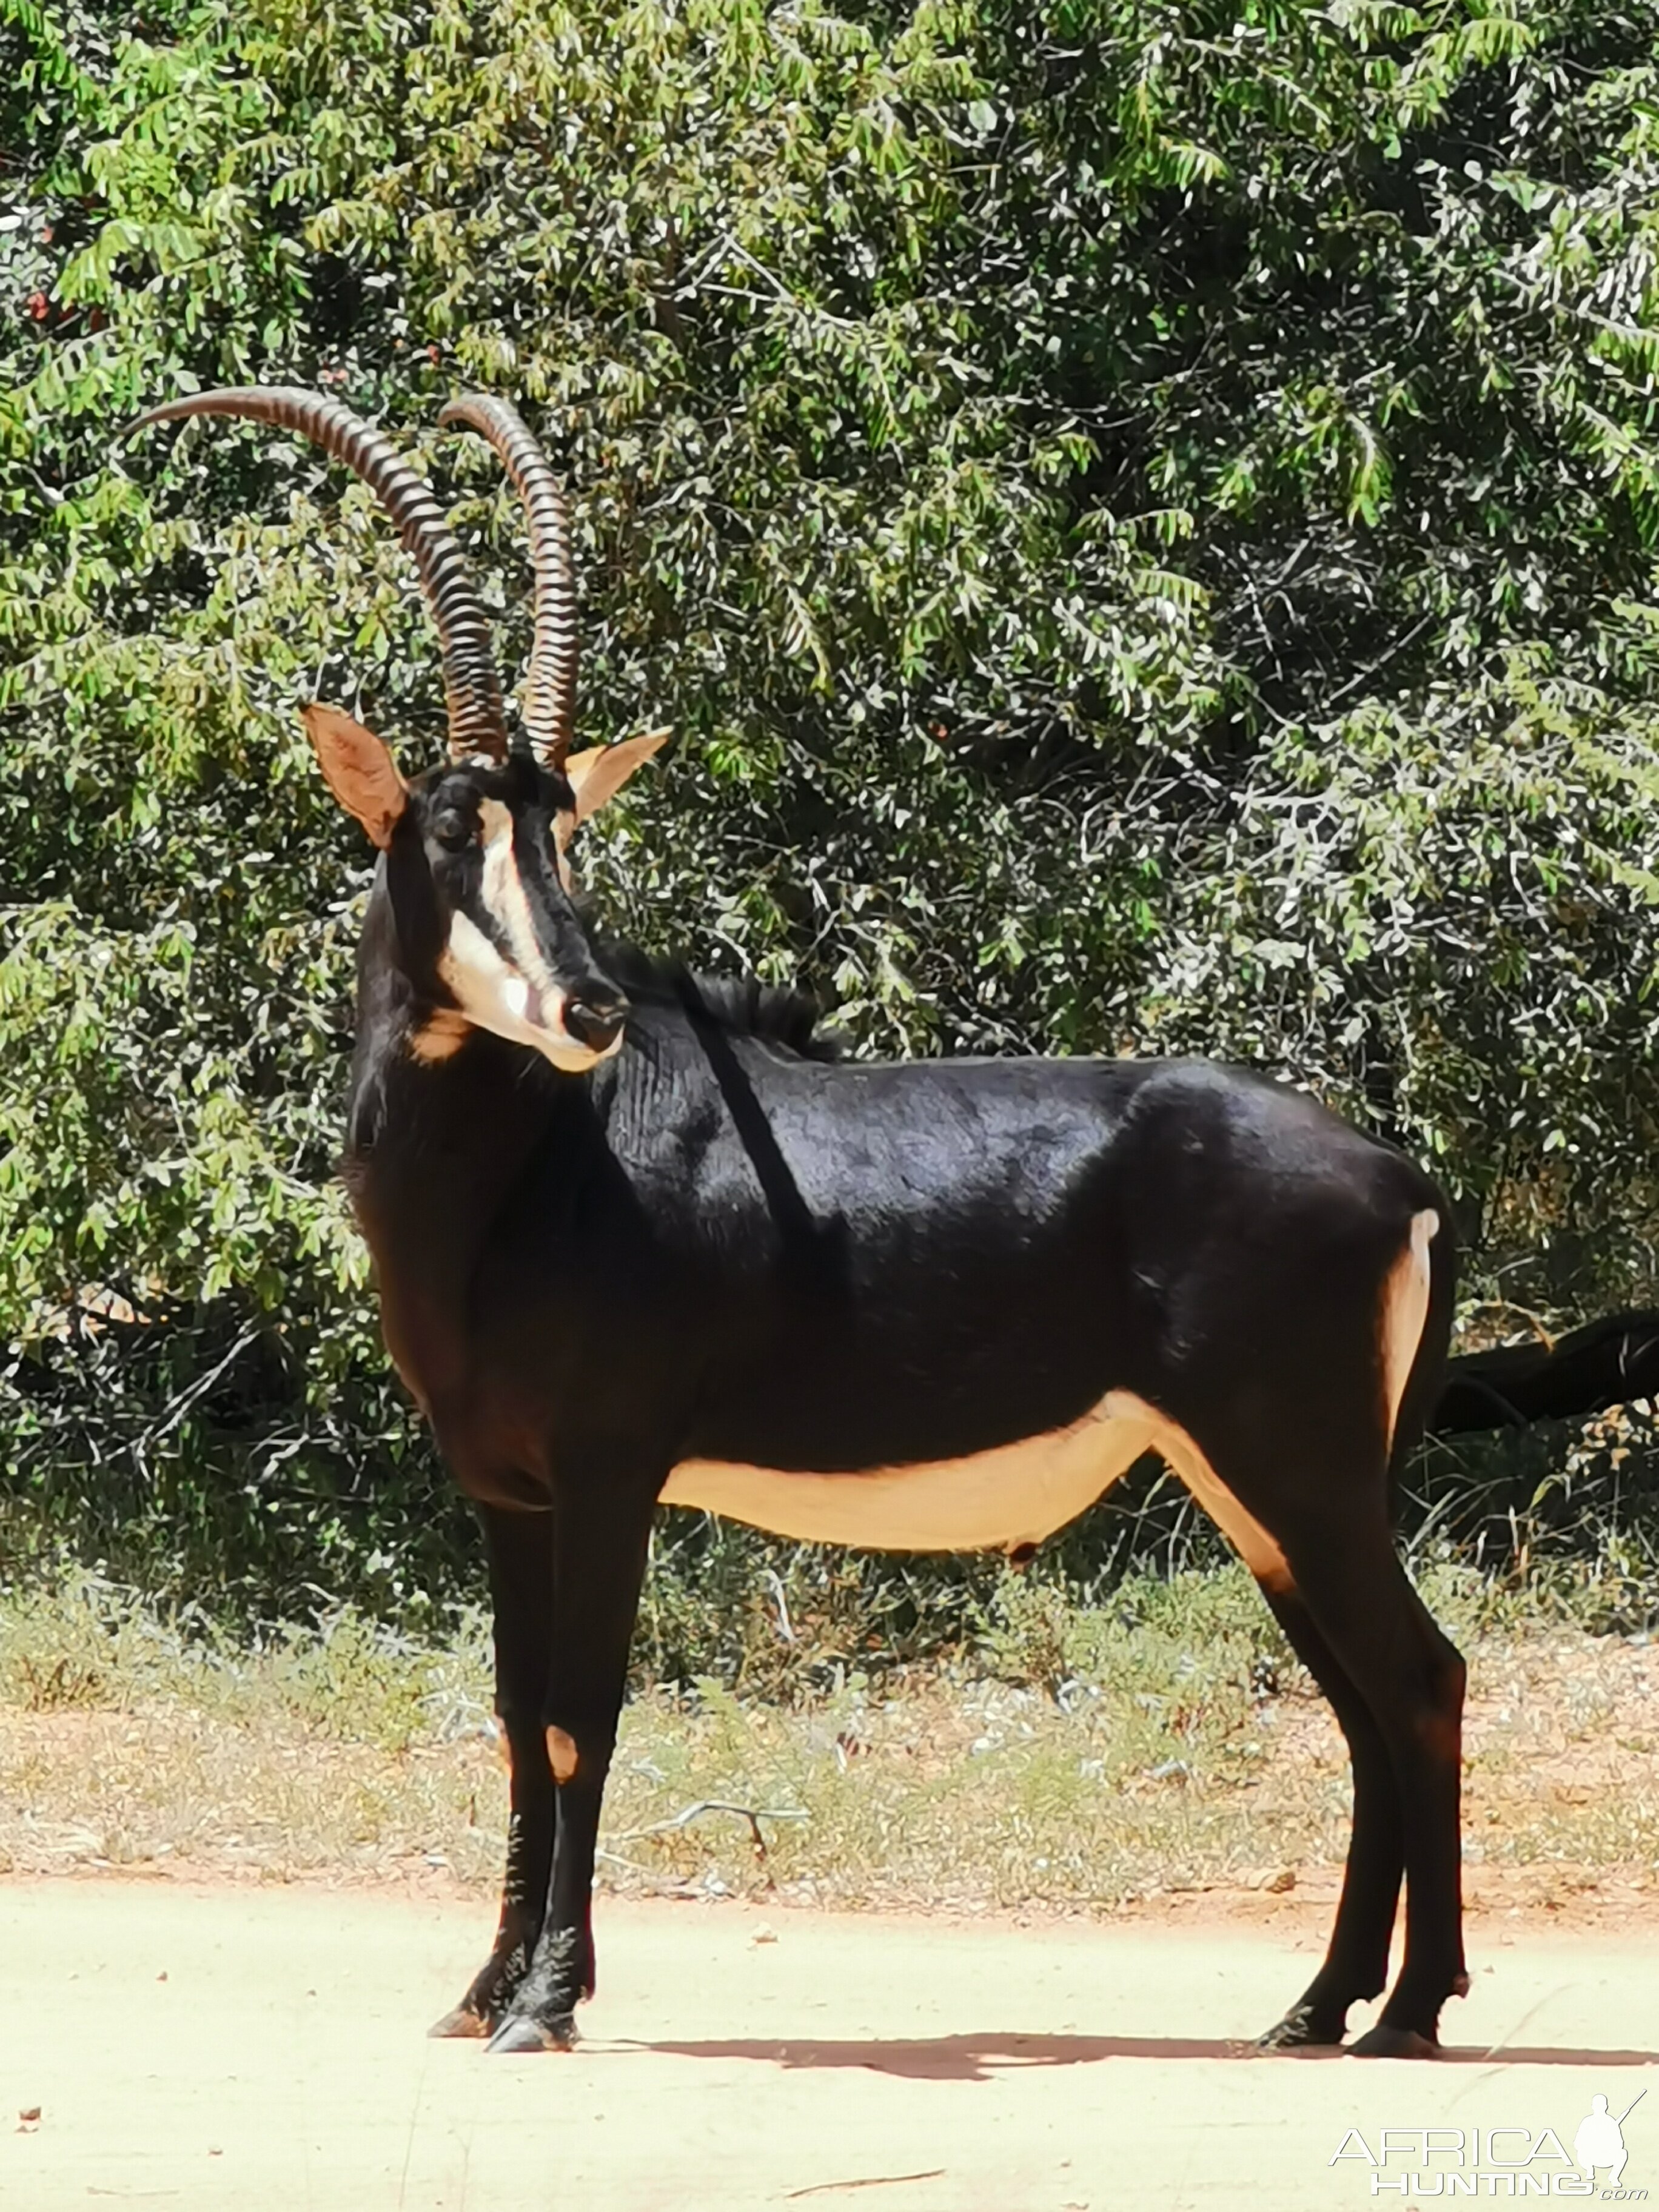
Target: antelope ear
x,y
595,777
359,770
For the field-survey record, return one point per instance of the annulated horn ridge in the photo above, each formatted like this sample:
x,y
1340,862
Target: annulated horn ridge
x,y
477,723
549,713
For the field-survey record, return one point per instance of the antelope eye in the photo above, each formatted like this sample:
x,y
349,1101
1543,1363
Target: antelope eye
x,y
453,830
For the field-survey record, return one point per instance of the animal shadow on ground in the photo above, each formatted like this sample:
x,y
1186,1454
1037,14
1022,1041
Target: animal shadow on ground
x,y
971,2058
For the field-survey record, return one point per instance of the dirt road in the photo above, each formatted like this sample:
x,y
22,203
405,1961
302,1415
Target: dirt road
x,y
254,2048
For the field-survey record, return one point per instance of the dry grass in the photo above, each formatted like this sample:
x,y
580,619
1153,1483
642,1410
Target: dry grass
x,y
1172,1749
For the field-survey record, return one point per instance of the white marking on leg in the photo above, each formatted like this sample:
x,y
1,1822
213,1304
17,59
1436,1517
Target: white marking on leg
x,y
561,1753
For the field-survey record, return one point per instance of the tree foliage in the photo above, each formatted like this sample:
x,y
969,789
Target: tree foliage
x,y
1144,517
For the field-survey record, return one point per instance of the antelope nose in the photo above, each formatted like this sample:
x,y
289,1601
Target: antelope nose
x,y
595,1017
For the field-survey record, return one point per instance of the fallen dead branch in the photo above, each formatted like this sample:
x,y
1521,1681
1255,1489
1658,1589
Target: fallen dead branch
x,y
753,1814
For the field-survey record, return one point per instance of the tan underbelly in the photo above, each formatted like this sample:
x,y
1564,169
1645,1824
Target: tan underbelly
x,y
1015,1495
999,1500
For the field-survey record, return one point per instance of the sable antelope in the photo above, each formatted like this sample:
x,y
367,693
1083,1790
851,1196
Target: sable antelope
x,y
641,1237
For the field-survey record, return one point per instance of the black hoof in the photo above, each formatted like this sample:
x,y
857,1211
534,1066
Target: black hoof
x,y
1301,2029
462,2023
1385,2042
519,2032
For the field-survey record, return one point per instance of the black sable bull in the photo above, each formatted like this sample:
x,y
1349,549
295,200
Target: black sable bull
x,y
638,1239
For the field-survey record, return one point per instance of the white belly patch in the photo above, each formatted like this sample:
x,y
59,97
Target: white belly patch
x,y
1001,1499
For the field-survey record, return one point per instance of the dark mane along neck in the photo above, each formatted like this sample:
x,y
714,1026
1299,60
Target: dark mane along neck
x,y
740,1005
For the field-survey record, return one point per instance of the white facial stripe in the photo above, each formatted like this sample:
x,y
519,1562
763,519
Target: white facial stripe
x,y
497,998
504,896
514,997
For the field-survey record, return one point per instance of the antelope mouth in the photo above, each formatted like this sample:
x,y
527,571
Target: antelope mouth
x,y
536,1008
538,1012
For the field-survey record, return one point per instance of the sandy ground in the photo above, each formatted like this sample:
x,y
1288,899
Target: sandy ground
x,y
259,2047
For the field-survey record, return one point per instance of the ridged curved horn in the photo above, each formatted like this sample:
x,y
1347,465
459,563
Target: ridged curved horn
x,y
550,711
477,724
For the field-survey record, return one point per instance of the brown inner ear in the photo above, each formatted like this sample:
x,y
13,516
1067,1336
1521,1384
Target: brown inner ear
x,y
358,768
596,776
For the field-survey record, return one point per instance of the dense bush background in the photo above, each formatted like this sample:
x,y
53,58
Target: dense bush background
x,y
1144,516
